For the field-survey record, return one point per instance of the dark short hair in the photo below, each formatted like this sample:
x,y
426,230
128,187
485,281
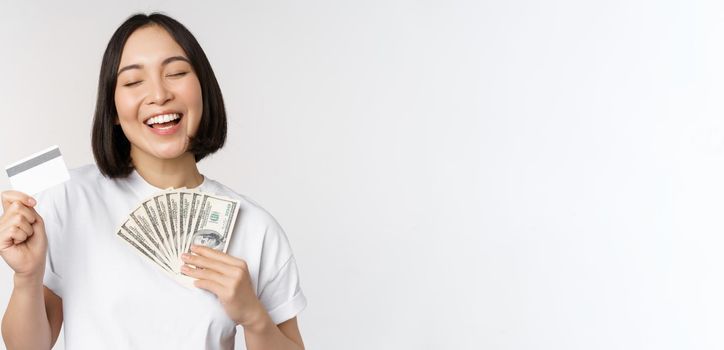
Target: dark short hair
x,y
111,148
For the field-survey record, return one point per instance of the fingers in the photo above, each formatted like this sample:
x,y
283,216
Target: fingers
x,y
19,217
211,286
39,240
20,210
15,233
217,255
214,268
25,227
207,263
18,222
8,197
18,236
204,274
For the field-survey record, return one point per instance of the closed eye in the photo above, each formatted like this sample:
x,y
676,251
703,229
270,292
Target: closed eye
x,y
133,83
179,74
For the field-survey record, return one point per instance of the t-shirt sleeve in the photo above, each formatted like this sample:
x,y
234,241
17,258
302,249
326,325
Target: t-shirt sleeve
x,y
47,209
279,284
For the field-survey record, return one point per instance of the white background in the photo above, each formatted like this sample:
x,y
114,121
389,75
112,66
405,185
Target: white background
x,y
452,175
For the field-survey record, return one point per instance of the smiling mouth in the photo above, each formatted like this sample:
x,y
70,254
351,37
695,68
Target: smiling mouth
x,y
164,121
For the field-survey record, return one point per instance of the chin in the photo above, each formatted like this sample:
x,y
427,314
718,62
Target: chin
x,y
170,155
163,150
170,152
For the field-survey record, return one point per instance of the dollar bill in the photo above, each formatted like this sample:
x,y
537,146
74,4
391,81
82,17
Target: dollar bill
x,y
196,198
185,199
164,226
140,218
161,206
155,219
172,200
143,248
215,223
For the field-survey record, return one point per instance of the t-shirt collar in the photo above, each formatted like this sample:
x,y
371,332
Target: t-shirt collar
x,y
138,182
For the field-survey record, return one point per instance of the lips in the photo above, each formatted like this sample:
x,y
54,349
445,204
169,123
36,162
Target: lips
x,y
163,118
164,123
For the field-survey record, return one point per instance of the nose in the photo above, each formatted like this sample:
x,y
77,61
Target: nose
x,y
159,93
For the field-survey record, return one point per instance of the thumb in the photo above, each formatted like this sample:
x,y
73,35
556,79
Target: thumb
x,y
8,197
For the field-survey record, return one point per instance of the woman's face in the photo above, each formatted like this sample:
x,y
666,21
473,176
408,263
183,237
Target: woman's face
x,y
158,95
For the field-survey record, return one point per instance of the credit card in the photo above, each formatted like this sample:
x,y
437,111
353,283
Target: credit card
x,y
38,172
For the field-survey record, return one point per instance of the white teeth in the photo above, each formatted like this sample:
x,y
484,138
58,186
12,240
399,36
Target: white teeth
x,y
164,118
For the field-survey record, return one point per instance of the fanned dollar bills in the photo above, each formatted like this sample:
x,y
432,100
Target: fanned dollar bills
x,y
165,225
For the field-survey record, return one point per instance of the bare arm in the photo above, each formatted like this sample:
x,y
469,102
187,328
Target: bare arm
x,y
285,336
54,310
33,317
228,278
34,314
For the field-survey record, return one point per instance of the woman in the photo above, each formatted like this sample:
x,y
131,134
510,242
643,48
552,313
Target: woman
x,y
105,295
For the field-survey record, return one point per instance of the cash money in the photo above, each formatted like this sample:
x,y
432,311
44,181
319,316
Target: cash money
x,y
165,225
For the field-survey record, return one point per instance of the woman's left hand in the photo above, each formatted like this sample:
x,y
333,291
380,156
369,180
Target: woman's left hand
x,y
228,278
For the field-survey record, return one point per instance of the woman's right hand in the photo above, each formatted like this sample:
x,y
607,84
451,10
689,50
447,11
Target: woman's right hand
x,y
23,243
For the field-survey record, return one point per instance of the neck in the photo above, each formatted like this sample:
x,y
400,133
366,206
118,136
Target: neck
x,y
165,173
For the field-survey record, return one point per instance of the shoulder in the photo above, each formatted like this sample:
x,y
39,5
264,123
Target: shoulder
x,y
82,177
88,171
255,227
54,201
252,212
86,175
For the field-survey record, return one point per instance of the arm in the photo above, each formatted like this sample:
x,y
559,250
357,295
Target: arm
x,y
228,278
267,335
33,317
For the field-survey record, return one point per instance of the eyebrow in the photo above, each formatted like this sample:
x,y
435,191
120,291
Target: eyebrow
x,y
165,62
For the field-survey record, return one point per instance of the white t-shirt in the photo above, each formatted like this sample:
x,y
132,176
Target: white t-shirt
x,y
114,299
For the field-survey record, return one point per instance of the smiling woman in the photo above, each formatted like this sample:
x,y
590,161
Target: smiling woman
x,y
158,96
159,111
150,68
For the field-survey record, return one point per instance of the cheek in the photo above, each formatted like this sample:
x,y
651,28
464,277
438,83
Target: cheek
x,y
196,121
195,107
193,126
125,106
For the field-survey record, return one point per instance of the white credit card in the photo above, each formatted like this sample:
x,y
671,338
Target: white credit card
x,y
38,172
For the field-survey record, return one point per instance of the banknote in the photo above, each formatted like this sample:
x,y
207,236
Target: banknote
x,y
141,218
165,225
143,247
